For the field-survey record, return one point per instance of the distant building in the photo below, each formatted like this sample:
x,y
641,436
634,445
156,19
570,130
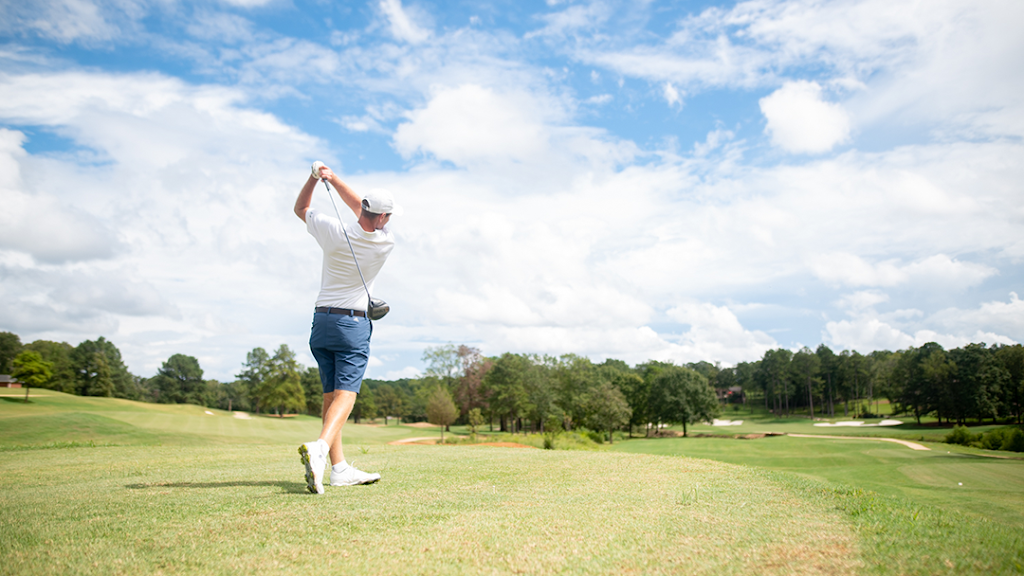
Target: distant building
x,y
731,395
8,381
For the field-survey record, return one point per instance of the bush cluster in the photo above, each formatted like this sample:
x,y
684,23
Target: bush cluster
x,y
1009,438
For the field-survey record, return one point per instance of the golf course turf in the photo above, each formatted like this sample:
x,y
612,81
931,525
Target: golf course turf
x,y
135,488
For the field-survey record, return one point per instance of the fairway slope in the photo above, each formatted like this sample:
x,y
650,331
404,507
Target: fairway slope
x,y
57,419
460,510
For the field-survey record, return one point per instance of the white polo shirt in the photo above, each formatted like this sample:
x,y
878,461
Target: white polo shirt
x,y
340,286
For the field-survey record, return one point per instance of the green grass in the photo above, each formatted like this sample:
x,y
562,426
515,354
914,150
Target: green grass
x,y
463,510
992,488
56,417
228,497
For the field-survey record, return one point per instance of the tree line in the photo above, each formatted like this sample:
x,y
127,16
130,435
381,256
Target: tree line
x,y
267,383
974,382
534,393
529,392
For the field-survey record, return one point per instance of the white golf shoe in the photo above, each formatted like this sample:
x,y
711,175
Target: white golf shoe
x,y
314,459
352,476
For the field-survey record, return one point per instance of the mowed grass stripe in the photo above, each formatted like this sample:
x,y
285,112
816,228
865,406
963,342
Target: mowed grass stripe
x,y
439,510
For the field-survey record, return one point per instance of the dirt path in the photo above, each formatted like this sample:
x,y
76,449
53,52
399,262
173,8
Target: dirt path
x,y
911,445
414,440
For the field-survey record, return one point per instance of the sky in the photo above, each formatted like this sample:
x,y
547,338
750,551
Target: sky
x,y
675,181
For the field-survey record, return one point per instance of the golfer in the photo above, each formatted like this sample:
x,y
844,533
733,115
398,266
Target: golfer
x,y
340,339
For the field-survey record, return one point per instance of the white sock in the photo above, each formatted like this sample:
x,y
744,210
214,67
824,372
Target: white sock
x,y
324,447
340,466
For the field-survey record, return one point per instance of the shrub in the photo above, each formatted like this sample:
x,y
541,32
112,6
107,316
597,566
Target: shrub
x,y
993,440
1013,440
574,441
962,436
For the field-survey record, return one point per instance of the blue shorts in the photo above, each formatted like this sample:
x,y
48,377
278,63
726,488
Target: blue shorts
x,y
341,346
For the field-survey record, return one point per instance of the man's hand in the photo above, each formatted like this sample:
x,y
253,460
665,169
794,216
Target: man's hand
x,y
321,172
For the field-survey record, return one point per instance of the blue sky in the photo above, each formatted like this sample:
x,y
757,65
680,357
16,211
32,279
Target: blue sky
x,y
639,180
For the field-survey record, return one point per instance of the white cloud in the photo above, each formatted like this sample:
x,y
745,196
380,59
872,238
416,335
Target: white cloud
x,y
991,322
672,95
866,334
189,213
575,17
285,61
407,372
228,28
941,64
549,235
248,3
798,120
403,27
1003,317
470,125
64,21
863,299
716,335
471,122
852,270
50,232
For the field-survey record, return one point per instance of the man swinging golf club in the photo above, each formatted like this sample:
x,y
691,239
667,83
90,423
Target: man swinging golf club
x,y
353,254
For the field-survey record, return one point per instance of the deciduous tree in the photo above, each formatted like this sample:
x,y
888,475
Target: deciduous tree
x,y
441,409
281,390
606,409
505,386
313,389
10,346
59,355
681,395
31,370
366,405
389,401
444,363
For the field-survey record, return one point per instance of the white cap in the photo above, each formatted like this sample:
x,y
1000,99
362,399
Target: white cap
x,y
380,201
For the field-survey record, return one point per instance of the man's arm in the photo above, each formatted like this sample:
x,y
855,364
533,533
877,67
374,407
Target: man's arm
x,y
348,195
305,197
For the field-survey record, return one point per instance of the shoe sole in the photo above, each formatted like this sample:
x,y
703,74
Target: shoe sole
x,y
374,481
310,476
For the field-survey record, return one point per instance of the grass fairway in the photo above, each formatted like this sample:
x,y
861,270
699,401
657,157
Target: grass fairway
x,y
943,478
200,503
53,418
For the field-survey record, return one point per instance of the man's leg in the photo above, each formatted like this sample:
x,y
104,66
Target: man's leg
x,y
337,408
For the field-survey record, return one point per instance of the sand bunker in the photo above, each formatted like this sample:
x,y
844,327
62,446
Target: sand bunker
x,y
717,422
859,423
243,416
